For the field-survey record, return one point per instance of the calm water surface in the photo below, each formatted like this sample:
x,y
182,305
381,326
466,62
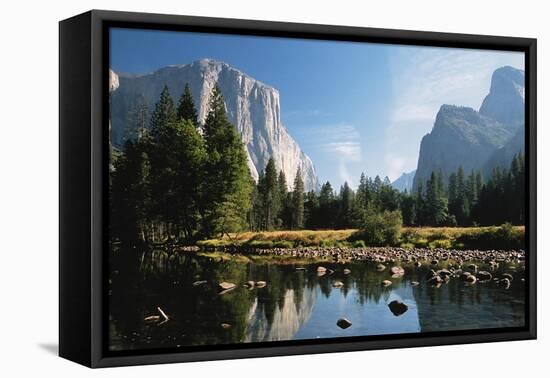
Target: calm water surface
x,y
295,304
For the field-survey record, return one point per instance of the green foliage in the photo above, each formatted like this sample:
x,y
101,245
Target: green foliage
x,y
227,185
186,107
380,229
504,237
359,244
297,204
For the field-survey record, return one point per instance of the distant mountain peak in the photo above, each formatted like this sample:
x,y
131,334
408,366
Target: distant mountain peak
x,y
461,136
506,99
404,182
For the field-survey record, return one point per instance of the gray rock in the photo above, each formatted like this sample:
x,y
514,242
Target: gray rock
x,y
397,270
380,267
343,323
226,285
398,307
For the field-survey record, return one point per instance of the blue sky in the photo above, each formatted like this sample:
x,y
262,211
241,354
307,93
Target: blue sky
x,y
352,107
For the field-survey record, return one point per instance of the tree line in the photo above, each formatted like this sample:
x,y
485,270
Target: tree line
x,y
177,179
461,200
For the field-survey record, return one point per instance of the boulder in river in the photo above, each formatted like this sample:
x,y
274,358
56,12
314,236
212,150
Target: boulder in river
x,y
380,267
338,284
226,285
471,279
386,283
508,276
415,283
199,283
398,307
483,275
397,271
443,272
343,323
505,282
321,269
261,283
347,271
250,284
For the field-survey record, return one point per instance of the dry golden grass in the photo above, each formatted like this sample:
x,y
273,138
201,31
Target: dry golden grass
x,y
309,235
430,237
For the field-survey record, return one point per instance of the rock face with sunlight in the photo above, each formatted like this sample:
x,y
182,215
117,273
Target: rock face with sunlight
x,y
477,140
253,107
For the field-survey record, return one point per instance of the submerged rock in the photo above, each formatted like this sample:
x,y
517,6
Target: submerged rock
x,y
386,283
397,271
199,283
343,323
484,275
505,282
347,271
398,307
338,284
380,267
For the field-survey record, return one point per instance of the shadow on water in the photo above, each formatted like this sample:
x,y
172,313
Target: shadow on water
x,y
295,303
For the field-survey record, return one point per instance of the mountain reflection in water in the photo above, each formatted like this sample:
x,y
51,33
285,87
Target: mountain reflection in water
x,y
294,304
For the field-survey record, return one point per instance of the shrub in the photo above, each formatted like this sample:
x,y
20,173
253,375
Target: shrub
x,y
503,237
359,244
380,229
440,243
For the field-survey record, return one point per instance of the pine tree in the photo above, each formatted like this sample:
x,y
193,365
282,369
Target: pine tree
x,y
164,117
271,200
130,195
436,204
163,133
298,201
186,107
326,205
228,184
346,206
311,209
190,159
284,206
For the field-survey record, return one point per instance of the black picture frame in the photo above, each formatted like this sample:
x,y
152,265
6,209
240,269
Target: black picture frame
x,y
83,159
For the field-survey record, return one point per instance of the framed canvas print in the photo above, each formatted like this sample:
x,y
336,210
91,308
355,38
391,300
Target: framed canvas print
x,y
233,188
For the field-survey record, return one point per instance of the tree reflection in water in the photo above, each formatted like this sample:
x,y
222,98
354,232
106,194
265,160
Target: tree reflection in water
x,y
295,304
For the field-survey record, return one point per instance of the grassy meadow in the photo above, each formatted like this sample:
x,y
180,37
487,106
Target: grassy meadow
x,y
494,237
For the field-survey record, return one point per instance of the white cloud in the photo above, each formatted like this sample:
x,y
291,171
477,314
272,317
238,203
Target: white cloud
x,y
340,143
